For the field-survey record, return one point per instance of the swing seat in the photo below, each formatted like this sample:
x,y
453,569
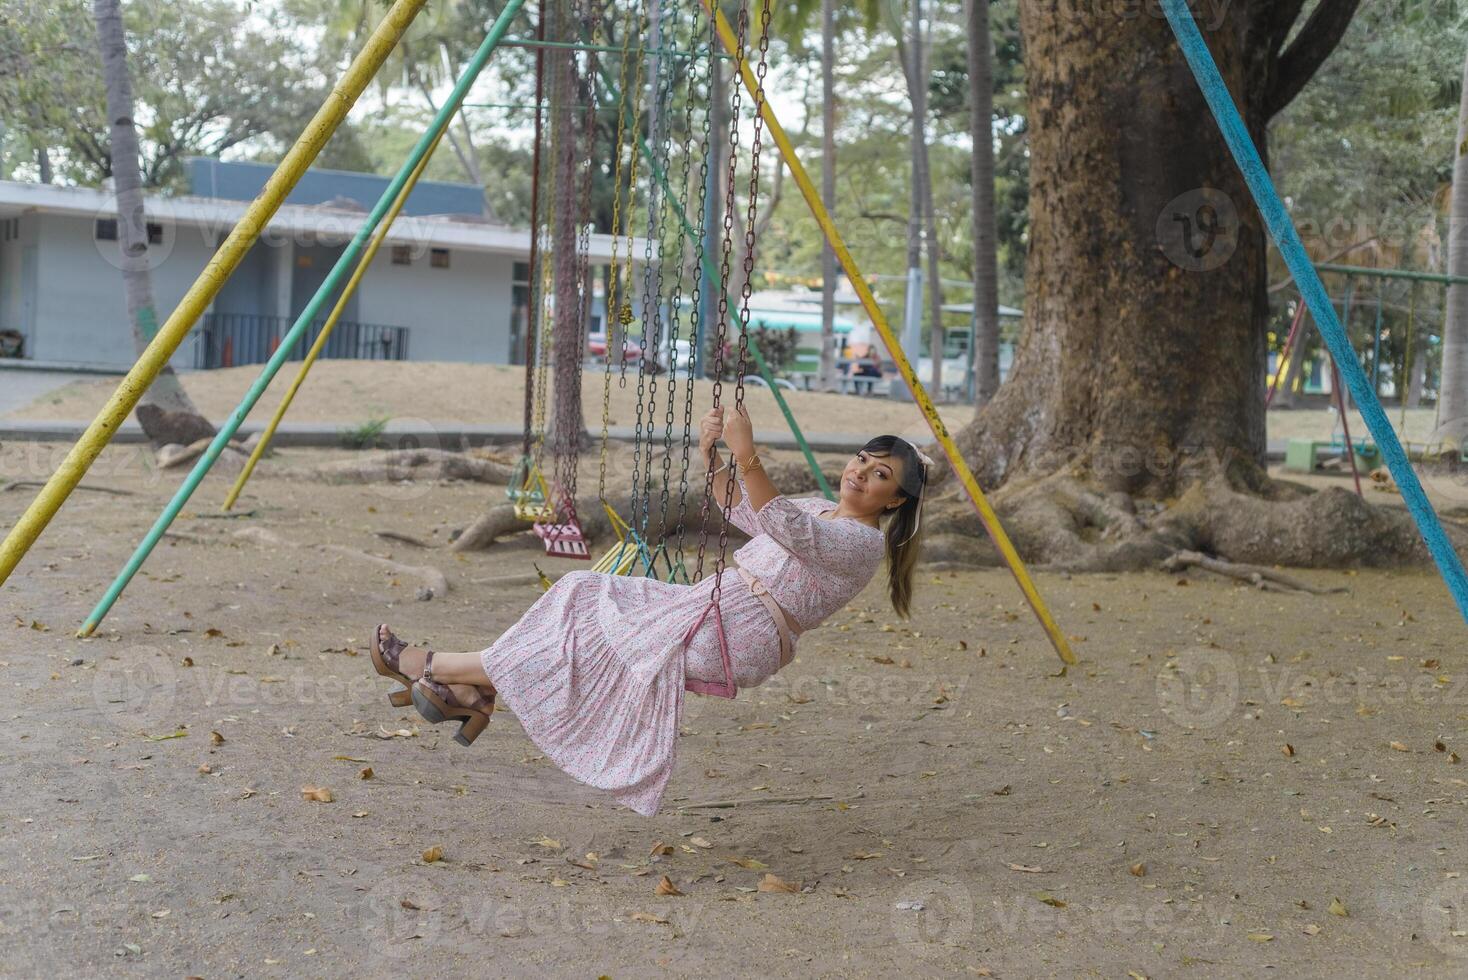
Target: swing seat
x,y
564,539
620,558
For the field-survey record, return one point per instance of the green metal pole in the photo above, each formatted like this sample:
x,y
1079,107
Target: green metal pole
x,y
293,337
759,360
1368,272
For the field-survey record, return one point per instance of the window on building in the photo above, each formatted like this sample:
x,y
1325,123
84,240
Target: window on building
x,y
522,272
155,234
439,258
106,229
402,255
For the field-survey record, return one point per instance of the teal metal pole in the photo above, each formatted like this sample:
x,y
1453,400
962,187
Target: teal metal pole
x,y
712,275
1376,346
1370,273
1287,240
288,342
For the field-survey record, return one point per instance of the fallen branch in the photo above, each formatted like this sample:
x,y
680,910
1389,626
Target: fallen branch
x,y
726,804
37,484
431,577
402,538
414,464
1260,577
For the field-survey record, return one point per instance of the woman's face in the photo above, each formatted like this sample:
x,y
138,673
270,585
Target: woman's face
x,y
871,484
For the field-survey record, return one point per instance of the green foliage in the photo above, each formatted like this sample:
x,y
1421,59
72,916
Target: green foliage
x,y
208,76
367,435
778,346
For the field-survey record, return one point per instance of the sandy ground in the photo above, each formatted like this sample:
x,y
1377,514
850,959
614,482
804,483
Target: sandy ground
x,y
1230,782
348,393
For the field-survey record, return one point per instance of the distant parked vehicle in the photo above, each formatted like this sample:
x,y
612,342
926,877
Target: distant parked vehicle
x,y
596,346
759,382
674,357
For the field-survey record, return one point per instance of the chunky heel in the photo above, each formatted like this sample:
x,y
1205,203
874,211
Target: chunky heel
x,y
437,703
470,730
400,699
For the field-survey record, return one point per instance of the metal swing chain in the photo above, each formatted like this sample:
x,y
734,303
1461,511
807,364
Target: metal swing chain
x,y
612,290
727,246
532,297
657,226
624,312
675,302
543,275
695,302
568,475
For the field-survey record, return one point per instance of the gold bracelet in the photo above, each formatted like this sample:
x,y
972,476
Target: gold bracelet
x,y
753,463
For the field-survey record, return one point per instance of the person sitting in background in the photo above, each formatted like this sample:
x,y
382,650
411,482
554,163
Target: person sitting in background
x,y
868,370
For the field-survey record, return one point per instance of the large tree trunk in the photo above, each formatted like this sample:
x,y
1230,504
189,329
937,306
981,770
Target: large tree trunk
x,y
828,192
986,263
1144,341
165,412
1452,400
1141,370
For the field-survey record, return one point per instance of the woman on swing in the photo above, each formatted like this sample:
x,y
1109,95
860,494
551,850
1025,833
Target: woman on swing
x,y
596,669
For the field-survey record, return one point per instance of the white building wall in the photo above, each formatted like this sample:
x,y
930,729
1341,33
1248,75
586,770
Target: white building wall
x,y
461,313
81,312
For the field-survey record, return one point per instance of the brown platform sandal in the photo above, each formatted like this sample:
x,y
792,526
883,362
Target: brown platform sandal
x,y
437,703
386,648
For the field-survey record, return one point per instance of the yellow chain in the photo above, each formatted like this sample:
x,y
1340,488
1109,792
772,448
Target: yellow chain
x,y
611,306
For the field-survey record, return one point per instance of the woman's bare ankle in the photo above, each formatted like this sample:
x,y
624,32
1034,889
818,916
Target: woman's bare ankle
x,y
460,668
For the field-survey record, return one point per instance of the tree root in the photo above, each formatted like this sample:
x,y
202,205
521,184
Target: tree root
x,y
1268,579
414,464
1059,522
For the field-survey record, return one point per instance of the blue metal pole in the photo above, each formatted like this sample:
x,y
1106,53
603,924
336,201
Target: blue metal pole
x,y
1287,240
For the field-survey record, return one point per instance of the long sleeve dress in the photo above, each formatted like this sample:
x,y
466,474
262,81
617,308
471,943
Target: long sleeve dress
x,y
595,669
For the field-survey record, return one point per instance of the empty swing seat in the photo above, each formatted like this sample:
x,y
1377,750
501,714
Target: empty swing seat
x,y
563,539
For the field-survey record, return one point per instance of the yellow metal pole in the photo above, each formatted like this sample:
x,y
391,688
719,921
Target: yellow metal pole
x,y
331,321
30,525
894,349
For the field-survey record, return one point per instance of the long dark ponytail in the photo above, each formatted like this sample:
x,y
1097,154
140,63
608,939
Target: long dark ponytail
x,y
903,524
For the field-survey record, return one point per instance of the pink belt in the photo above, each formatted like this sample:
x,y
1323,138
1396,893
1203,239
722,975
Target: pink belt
x,y
783,627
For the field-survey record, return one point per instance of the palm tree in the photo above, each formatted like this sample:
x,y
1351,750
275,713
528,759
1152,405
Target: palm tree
x,y
986,267
165,412
1452,399
828,191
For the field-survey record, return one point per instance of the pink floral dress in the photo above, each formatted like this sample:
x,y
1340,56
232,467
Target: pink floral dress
x,y
595,669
